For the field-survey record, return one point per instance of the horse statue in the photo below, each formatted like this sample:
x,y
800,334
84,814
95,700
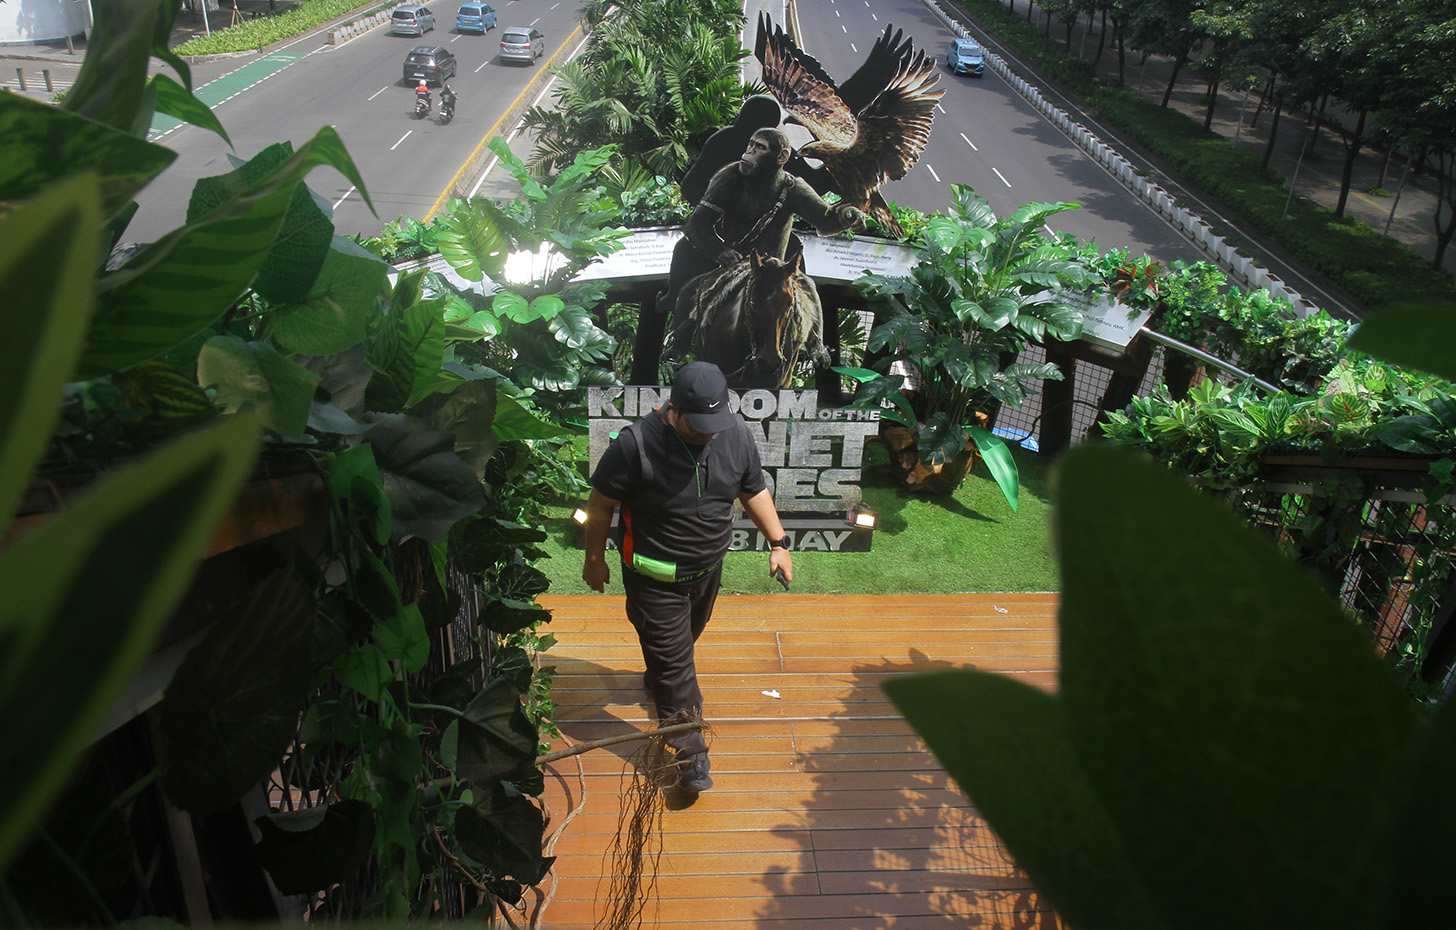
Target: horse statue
x,y
753,319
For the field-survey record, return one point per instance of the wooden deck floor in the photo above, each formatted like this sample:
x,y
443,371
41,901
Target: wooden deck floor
x,y
827,811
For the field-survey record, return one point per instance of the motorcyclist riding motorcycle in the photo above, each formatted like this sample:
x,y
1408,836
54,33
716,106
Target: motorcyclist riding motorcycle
x,y
422,100
447,102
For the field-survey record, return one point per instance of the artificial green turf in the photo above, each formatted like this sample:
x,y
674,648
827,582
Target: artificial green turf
x,y
970,541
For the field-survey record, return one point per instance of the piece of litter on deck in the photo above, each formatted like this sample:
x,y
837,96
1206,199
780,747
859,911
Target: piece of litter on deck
x,y
1000,610
772,694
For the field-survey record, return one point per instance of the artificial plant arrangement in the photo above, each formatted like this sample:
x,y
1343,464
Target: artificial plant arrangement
x,y
985,287
1224,747
401,774
1262,334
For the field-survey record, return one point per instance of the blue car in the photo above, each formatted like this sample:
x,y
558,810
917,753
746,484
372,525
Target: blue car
x,y
475,17
966,57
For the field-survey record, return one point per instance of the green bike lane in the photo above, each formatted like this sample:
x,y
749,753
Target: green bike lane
x,y
224,88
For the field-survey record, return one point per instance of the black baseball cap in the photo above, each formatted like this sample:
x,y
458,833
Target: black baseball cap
x,y
700,393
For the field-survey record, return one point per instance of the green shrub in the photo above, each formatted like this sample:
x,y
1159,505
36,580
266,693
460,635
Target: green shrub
x,y
256,33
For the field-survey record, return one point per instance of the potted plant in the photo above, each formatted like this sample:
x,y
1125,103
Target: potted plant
x,y
984,288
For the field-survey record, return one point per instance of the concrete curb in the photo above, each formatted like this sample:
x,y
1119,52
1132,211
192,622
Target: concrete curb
x,y
354,28
1240,268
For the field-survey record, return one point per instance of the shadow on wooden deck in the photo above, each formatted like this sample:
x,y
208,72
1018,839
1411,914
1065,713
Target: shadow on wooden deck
x,y
828,811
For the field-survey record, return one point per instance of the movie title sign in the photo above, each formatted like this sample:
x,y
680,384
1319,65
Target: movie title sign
x,y
812,456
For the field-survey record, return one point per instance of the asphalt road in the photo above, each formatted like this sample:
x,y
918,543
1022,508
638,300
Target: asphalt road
x,y
986,135
359,89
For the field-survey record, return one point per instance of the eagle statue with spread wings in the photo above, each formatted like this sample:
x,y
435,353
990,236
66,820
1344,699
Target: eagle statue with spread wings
x,y
870,130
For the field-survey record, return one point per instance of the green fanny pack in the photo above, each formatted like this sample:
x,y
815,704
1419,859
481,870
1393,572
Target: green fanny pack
x,y
658,570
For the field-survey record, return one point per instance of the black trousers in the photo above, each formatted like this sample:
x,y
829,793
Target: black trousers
x,y
669,617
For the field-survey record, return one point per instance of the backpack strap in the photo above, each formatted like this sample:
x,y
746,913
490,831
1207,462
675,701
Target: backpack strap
x,y
634,431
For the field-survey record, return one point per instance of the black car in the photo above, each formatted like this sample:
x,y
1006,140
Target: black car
x,y
429,63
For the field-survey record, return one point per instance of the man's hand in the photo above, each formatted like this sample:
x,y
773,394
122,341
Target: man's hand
x,y
780,558
596,574
728,257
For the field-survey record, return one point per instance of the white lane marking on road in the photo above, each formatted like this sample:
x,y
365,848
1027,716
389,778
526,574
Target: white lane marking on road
x,y
973,147
345,197
1050,232
933,174
379,91
482,65
322,48
407,135
1002,177
854,48
845,28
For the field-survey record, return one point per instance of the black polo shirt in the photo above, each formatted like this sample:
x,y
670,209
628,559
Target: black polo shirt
x,y
683,511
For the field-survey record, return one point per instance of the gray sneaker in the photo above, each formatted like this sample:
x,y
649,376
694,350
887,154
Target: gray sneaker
x,y
694,778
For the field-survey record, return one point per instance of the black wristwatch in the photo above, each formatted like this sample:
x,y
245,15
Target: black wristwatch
x,y
779,543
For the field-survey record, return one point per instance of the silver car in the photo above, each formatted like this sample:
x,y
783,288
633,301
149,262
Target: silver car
x,y
522,43
412,20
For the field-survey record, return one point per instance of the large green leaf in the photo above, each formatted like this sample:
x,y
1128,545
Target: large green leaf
x,y
506,615
175,100
1425,858
86,594
408,350
46,269
112,85
182,283
468,413
512,306
40,145
167,400
336,312
428,486
513,421
253,375
310,850
302,241
1217,709
574,328
354,481
364,669
999,462
471,240
504,832
1236,725
1418,336
404,639
1006,744
233,706
497,740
